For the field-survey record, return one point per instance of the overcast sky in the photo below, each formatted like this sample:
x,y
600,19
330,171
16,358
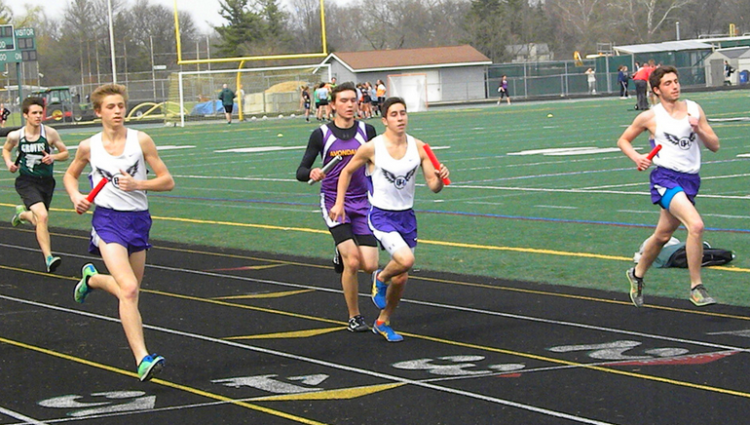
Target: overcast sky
x,y
205,13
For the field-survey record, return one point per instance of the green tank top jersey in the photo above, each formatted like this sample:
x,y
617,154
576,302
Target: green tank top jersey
x,y
31,153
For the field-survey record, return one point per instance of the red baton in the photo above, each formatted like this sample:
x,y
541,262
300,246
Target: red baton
x,y
435,162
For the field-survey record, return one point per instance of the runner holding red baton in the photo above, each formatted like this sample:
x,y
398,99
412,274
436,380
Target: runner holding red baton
x,y
651,155
99,186
435,162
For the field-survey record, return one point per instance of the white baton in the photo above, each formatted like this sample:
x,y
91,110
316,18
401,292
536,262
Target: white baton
x,y
327,167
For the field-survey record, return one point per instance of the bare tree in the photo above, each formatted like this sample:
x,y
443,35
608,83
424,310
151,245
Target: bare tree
x,y
646,17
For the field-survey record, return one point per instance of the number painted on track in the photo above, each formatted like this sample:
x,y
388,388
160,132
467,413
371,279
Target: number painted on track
x,y
454,366
615,350
138,401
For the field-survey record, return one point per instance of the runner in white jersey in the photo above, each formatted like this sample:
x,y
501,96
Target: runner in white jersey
x,y
679,126
392,160
121,221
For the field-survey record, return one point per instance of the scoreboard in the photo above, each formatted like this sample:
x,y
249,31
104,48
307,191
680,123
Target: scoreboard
x,y
17,45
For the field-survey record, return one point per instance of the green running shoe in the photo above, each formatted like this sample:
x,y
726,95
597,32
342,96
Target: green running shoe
x,y
82,288
16,220
150,366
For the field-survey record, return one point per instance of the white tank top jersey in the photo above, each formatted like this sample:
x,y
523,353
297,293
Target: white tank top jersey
x,y
393,180
104,165
681,147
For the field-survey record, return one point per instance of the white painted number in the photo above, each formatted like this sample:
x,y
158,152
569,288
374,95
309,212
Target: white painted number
x,y
455,366
267,383
616,351
138,401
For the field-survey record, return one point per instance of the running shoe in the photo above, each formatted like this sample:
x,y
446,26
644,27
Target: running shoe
x,y
636,287
150,366
16,220
387,332
699,296
357,324
379,290
82,288
52,263
338,262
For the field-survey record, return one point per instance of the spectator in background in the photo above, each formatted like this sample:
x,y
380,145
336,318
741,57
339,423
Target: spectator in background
x,y
321,102
503,90
728,71
4,113
640,78
622,78
304,101
380,90
591,78
226,96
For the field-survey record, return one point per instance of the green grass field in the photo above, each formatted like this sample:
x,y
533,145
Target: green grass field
x,y
559,218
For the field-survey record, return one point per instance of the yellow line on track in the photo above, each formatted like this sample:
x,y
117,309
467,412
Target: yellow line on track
x,y
162,382
423,241
426,338
496,350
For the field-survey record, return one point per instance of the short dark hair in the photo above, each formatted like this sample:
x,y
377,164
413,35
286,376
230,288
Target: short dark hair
x,y
26,104
656,75
390,102
342,87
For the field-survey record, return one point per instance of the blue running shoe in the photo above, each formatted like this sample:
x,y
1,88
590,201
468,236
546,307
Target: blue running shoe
x,y
379,290
82,289
388,333
150,366
52,263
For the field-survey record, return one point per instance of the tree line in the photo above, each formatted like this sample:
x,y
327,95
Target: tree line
x,y
74,47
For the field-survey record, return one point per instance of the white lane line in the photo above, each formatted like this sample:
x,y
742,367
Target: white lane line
x,y
418,302
16,415
556,207
323,363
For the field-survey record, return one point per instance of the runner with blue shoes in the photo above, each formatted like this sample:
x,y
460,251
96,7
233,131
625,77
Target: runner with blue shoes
x,y
392,160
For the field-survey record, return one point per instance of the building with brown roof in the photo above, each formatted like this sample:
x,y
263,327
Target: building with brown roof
x,y
453,73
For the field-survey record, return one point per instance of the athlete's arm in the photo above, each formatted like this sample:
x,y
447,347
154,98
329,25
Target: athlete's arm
x,y
363,155
70,180
705,132
54,140
433,177
313,150
10,142
162,182
643,122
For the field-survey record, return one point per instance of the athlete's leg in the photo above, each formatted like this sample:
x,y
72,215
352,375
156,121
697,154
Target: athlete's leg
x,y
351,258
685,211
126,272
39,217
397,272
664,229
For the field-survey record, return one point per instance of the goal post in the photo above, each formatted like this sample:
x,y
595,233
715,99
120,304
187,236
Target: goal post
x,y
410,87
268,91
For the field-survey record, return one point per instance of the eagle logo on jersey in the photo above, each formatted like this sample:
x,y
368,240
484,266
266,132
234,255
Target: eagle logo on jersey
x,y
115,178
399,181
683,143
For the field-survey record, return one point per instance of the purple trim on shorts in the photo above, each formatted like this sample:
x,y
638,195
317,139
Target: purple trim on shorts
x,y
127,228
669,179
403,222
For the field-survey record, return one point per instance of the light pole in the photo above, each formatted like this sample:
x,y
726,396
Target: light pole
x,y
153,72
112,42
